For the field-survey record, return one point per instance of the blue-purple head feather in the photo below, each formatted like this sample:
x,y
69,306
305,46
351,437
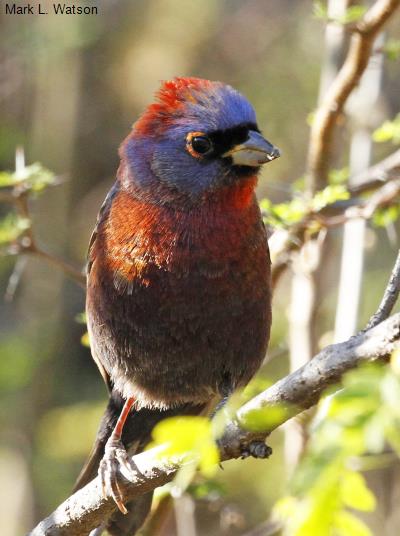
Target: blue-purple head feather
x,y
158,149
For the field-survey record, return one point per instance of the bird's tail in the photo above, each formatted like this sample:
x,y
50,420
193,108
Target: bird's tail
x,y
136,435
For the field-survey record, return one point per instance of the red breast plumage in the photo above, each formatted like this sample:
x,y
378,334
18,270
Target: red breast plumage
x,y
186,296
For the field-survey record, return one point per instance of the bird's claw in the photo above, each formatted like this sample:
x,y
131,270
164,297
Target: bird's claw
x,y
256,449
115,456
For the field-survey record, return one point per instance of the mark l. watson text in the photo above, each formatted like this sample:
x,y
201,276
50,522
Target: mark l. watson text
x,y
58,9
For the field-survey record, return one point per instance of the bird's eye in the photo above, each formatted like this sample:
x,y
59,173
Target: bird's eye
x,y
201,144
198,144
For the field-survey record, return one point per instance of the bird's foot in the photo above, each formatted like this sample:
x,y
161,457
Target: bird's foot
x,y
256,449
115,457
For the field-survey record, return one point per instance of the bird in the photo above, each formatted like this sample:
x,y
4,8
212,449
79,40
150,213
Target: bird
x,y
178,276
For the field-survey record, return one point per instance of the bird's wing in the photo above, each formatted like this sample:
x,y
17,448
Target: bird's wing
x,y
100,216
103,372
90,259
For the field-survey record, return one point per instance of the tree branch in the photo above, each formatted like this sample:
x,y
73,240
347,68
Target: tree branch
x,y
86,509
29,244
322,130
362,208
373,177
389,298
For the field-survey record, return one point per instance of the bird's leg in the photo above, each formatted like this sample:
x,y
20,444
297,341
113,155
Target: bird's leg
x,y
221,404
225,390
225,394
115,455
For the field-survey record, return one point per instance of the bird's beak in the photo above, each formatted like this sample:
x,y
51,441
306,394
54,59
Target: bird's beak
x,y
255,151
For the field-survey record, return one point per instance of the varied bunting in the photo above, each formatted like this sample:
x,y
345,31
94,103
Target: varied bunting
x,y
178,291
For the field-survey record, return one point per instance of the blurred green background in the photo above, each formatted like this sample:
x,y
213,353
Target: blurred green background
x,y
70,89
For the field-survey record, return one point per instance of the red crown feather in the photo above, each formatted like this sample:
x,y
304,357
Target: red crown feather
x,y
171,97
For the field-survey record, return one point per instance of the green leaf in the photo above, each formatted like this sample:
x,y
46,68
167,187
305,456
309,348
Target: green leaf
x,y
360,418
294,211
191,436
392,49
329,195
393,436
80,318
11,227
395,361
286,507
262,419
34,177
256,386
299,185
386,216
353,14
6,179
374,434
85,341
320,10
339,176
355,492
207,489
284,214
390,391
347,524
311,118
389,131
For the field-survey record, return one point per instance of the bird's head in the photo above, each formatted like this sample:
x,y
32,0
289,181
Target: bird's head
x,y
199,137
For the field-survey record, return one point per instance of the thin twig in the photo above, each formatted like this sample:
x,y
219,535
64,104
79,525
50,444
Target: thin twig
x,y
373,177
386,195
14,279
27,244
64,266
389,298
